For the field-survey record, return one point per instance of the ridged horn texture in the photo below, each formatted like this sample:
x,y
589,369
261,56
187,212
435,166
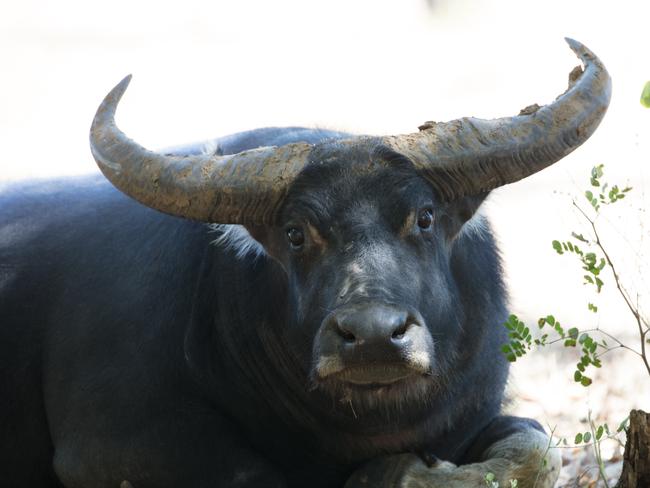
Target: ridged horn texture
x,y
471,156
242,188
462,157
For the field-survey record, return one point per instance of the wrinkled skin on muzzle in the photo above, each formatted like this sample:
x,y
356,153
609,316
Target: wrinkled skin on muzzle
x,y
374,305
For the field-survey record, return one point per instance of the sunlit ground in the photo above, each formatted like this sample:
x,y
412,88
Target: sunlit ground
x,y
203,69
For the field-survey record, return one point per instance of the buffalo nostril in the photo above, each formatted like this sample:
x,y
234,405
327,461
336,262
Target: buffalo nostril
x,y
347,336
400,331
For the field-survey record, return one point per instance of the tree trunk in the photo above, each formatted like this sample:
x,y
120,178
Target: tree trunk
x,y
636,460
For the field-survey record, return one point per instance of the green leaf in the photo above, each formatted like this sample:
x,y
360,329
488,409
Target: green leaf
x,y
592,307
550,320
645,95
577,376
578,439
586,436
599,432
558,247
542,340
579,237
573,332
585,381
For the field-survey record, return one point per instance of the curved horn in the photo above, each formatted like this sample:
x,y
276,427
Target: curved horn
x,y
243,188
470,156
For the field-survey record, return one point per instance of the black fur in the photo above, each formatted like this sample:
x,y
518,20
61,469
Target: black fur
x,y
131,348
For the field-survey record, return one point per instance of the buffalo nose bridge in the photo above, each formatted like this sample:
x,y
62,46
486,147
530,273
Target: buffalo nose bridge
x,y
372,324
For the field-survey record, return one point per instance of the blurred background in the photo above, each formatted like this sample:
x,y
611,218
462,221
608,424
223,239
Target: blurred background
x,y
204,69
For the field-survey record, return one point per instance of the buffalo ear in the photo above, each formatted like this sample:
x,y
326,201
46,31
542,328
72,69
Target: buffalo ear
x,y
271,239
458,212
258,232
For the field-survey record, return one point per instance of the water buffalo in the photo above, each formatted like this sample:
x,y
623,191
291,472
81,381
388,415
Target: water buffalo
x,y
293,307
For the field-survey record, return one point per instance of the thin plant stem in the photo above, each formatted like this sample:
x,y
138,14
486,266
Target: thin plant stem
x,y
634,310
597,452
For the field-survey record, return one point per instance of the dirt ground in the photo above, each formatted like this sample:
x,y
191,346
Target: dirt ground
x,y
542,387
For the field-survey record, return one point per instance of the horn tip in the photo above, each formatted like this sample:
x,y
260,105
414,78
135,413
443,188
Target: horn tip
x,y
107,108
118,90
121,87
582,51
573,43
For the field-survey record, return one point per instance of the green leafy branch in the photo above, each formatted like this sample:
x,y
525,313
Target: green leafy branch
x,y
591,263
592,343
606,195
594,260
521,341
597,432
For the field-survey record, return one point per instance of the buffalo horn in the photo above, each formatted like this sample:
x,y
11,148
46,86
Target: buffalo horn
x,y
243,188
471,156
462,157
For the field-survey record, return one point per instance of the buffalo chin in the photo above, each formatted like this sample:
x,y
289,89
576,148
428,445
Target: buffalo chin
x,y
382,389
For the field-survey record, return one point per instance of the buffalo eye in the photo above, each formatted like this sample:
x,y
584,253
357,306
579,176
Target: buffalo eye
x,y
425,218
296,237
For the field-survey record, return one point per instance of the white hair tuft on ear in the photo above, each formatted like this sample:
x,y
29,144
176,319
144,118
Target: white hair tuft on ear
x,y
237,239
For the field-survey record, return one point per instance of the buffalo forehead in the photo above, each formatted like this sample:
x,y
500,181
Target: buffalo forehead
x,y
355,202
337,172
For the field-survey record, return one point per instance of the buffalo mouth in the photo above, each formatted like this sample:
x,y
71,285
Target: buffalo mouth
x,y
371,389
375,376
